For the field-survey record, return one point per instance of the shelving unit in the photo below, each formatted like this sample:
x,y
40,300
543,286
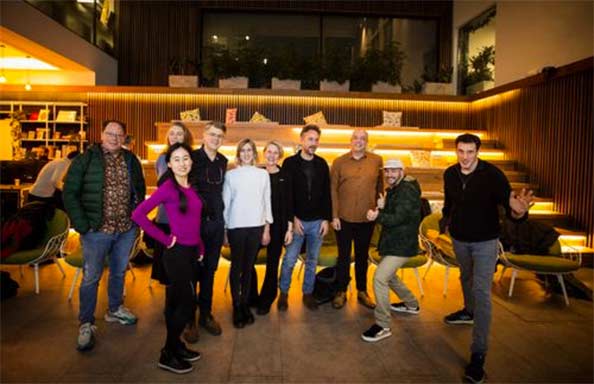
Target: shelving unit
x,y
48,131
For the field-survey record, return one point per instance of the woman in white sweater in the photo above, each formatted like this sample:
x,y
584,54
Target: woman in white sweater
x,y
248,215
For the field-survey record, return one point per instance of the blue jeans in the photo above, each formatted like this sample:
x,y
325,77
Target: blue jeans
x,y
477,265
96,247
313,242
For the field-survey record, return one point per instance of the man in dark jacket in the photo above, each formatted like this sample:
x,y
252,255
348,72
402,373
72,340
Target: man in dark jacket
x,y
311,208
399,213
473,191
102,187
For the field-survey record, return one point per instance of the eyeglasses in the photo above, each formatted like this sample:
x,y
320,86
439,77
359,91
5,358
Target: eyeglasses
x,y
214,177
114,135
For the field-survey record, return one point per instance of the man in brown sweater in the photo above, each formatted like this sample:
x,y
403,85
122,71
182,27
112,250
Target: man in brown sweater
x,y
356,182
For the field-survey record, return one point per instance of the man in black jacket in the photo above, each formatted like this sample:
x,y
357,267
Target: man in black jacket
x,y
473,190
311,207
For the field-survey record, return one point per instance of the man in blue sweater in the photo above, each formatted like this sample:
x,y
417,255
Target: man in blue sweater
x,y
474,189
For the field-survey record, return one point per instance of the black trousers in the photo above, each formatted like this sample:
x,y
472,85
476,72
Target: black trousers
x,y
273,253
361,234
244,243
212,233
180,264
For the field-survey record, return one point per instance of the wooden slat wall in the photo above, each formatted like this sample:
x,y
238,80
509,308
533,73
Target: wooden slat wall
x,y
150,33
548,129
141,110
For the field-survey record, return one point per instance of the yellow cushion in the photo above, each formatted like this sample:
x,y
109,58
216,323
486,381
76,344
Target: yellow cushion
x,y
316,118
543,263
258,118
191,115
392,119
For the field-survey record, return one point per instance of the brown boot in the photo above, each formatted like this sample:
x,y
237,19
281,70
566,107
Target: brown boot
x,y
191,334
283,302
310,302
365,300
339,300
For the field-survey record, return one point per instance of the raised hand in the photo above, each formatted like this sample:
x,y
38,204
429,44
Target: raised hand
x,y
381,200
372,214
520,202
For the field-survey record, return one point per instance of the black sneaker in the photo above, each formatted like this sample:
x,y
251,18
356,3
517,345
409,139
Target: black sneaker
x,y
262,310
238,317
474,371
283,302
459,317
403,308
310,302
187,354
171,362
210,324
376,333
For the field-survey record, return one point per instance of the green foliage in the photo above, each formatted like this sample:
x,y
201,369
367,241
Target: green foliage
x,y
182,66
286,64
480,69
378,65
336,65
443,75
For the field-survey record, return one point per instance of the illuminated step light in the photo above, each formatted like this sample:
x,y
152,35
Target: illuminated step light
x,y
576,249
395,133
572,240
25,63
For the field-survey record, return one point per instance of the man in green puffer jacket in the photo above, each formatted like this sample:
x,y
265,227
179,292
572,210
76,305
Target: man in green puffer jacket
x,y
399,213
102,187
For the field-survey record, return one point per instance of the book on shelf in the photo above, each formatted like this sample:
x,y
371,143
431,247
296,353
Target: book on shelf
x,y
66,116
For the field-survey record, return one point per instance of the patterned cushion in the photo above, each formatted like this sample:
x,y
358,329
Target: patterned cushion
x,y
230,115
192,115
543,263
392,119
316,118
258,118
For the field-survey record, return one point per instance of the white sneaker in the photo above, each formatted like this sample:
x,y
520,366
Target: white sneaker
x,y
376,333
122,315
86,337
403,308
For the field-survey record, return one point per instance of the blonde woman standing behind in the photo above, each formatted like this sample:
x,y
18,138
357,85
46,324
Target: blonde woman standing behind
x,y
248,215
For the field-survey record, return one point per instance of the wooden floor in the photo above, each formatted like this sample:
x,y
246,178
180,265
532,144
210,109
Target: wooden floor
x,y
534,338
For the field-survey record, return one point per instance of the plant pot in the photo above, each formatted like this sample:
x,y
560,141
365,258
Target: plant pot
x,y
181,81
285,84
333,86
430,88
479,87
384,87
234,82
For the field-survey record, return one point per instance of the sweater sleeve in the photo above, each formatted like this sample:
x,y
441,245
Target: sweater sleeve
x,y
227,198
139,215
444,222
267,198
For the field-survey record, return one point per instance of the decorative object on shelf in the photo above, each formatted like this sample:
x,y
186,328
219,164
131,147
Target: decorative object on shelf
x,y
258,118
335,71
392,119
379,70
31,135
285,84
239,82
479,76
57,135
191,115
230,115
41,133
16,133
66,116
316,118
34,116
286,67
182,73
43,115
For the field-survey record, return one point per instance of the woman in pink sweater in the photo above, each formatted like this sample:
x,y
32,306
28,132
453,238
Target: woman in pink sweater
x,y
184,250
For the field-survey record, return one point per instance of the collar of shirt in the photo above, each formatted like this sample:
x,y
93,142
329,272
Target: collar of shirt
x,y
352,157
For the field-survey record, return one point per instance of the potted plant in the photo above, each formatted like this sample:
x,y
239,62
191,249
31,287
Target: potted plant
x,y
438,83
388,79
335,71
286,69
182,73
223,68
480,74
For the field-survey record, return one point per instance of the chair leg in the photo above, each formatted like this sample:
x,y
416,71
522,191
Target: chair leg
x,y
418,276
36,268
428,268
562,283
511,284
502,273
74,279
445,281
57,262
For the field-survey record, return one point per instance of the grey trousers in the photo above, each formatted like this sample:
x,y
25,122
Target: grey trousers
x,y
384,279
477,266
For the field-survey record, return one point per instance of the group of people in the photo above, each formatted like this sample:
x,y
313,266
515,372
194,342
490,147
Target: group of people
x,y
203,206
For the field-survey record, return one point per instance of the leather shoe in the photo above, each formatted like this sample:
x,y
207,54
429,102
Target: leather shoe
x,y
248,315
238,317
283,302
210,324
310,302
339,300
364,299
191,334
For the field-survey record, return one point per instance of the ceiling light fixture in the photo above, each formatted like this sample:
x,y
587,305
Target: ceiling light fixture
x,y
28,83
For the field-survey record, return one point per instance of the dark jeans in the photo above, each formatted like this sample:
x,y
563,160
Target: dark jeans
x,y
244,243
477,266
212,233
361,234
181,264
270,284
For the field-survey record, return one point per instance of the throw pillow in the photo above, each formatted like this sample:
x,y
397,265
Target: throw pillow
x,y
192,115
258,118
392,119
316,118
